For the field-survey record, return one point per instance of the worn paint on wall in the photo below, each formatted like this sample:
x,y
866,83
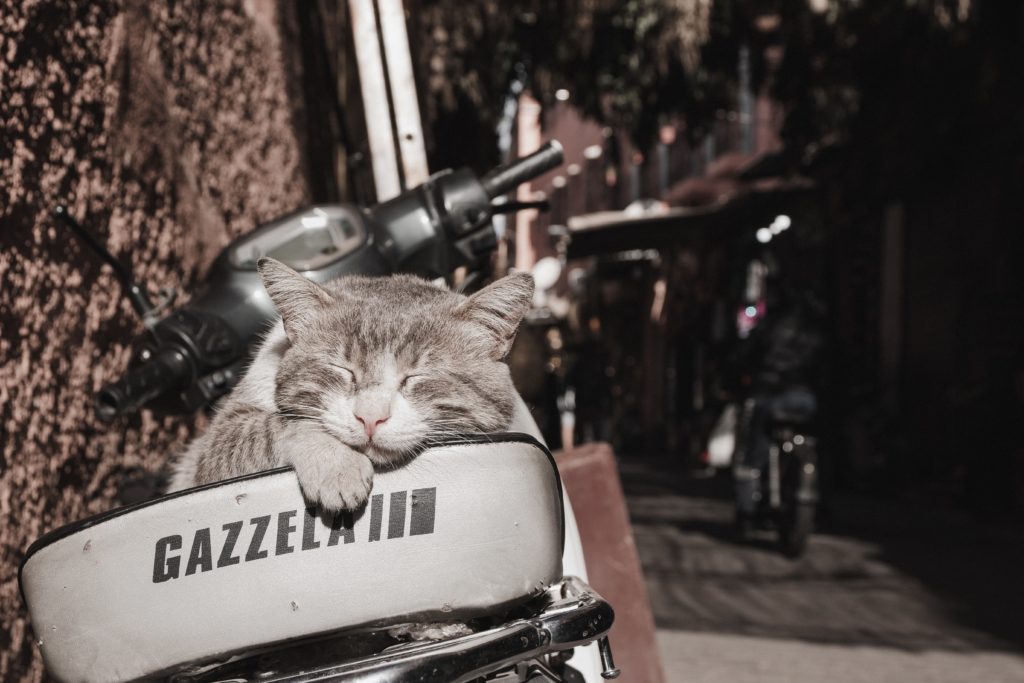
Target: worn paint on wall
x,y
167,127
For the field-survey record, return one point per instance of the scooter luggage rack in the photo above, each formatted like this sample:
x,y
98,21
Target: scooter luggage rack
x,y
568,615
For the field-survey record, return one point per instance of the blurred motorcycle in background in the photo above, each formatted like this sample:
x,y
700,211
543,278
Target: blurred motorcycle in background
x,y
768,435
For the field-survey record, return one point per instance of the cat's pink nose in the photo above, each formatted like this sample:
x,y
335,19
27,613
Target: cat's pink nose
x,y
371,423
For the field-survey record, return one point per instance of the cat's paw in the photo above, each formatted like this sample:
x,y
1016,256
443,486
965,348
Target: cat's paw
x,y
331,475
344,483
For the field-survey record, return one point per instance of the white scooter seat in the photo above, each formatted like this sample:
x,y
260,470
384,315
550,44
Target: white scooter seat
x,y
197,576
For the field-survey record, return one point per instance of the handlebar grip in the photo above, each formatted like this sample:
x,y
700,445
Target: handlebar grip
x,y
504,179
139,386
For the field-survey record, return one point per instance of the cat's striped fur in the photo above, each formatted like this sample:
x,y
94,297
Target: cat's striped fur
x,y
361,373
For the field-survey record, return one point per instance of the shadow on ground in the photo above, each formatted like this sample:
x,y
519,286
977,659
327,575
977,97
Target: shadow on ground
x,y
880,572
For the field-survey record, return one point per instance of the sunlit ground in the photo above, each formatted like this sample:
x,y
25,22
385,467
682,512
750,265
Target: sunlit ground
x,y
887,591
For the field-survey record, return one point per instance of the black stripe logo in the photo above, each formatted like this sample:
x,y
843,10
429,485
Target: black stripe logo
x,y
408,514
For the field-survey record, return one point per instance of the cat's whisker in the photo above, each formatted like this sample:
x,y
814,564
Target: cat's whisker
x,y
301,418
308,408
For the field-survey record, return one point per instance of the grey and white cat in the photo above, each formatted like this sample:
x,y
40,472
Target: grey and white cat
x,y
361,373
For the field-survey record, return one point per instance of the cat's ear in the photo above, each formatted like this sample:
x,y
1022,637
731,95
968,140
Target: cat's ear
x,y
499,308
299,301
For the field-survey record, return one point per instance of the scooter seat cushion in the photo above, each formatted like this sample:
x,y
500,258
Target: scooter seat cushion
x,y
464,530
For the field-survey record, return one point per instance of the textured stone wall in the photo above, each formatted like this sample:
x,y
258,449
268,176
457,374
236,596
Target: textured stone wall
x,y
168,128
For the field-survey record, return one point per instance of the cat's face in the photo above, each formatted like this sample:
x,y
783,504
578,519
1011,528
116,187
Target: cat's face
x,y
387,365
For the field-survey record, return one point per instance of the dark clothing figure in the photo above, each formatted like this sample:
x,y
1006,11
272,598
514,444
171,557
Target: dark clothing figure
x,y
786,355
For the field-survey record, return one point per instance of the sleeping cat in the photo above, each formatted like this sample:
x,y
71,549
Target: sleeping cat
x,y
361,373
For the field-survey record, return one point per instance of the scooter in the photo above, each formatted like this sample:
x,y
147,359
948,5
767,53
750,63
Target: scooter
x,y
767,434
775,469
239,581
768,442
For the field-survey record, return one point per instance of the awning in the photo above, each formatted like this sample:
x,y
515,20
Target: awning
x,y
613,231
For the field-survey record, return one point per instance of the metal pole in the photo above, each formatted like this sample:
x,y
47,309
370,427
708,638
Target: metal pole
x,y
373,87
529,139
403,92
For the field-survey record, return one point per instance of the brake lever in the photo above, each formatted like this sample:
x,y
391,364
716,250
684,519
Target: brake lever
x,y
512,207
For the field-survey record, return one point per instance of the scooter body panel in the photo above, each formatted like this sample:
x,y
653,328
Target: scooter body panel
x,y
198,576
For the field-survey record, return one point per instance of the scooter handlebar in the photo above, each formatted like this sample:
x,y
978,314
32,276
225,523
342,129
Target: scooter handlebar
x,y
180,359
166,370
502,180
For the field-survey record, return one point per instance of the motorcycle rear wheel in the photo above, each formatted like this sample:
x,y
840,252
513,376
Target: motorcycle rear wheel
x,y
795,528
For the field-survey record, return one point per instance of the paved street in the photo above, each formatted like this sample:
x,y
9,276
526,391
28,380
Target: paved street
x,y
886,592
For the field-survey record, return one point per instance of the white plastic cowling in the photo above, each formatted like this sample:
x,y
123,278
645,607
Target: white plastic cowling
x,y
197,576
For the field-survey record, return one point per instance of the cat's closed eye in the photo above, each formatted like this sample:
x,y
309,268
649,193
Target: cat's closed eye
x,y
344,372
410,382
